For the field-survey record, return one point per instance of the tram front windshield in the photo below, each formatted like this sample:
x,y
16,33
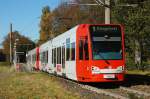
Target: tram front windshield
x,y
106,42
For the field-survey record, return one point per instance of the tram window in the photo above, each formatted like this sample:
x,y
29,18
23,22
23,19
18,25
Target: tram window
x,y
43,57
68,52
73,51
86,50
29,58
46,56
63,56
52,56
33,57
60,54
55,57
68,49
81,50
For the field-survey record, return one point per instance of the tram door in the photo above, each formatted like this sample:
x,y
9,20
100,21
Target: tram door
x,y
83,56
54,60
63,60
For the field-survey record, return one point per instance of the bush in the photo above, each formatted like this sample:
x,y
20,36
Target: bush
x,y
145,66
130,64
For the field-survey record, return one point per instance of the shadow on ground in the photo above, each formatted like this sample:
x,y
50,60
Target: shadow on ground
x,y
135,79
130,80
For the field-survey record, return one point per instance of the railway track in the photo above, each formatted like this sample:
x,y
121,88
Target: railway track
x,y
101,91
140,93
119,93
115,93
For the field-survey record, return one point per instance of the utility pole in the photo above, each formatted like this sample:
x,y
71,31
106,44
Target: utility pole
x,y
107,6
10,43
107,12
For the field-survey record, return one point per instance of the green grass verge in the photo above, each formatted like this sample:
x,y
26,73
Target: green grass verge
x,y
4,64
138,72
35,85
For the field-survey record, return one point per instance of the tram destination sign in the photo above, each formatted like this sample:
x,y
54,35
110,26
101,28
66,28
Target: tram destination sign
x,y
105,28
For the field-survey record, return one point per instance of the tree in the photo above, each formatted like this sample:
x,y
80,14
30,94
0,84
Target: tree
x,y
46,25
67,16
137,26
23,45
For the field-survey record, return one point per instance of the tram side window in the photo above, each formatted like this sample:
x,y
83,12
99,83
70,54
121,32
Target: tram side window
x,y
46,56
40,57
43,56
63,56
52,56
73,51
33,57
55,57
81,50
86,50
29,58
59,55
67,49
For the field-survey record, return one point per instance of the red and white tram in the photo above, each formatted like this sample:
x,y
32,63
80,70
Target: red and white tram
x,y
85,53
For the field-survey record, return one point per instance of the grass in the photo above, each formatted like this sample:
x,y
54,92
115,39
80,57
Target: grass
x,y
35,85
140,72
4,64
134,96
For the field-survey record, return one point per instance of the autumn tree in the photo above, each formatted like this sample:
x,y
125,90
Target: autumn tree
x,y
67,16
46,25
24,44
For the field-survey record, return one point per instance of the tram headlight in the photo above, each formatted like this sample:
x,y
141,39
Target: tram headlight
x,y
95,70
120,68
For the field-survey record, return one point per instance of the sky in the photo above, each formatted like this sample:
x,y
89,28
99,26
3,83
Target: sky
x,y
24,16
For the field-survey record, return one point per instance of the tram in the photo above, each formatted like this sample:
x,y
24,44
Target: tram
x,y
85,53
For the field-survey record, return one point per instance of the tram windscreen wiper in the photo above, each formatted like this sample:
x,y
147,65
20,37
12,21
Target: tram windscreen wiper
x,y
106,61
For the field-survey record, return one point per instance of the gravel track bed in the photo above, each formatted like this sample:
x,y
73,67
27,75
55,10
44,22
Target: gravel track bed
x,y
144,88
75,87
136,93
118,91
112,88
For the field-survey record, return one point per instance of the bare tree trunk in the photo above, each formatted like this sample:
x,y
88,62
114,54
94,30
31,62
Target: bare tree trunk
x,y
137,54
